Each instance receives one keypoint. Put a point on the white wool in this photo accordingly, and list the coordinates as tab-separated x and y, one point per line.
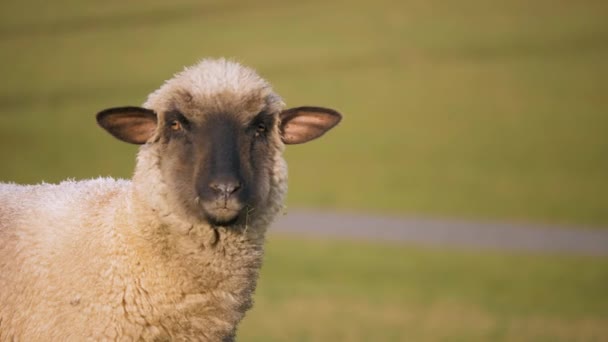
210	76
111	259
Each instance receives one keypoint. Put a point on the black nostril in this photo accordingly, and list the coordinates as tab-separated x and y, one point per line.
225	188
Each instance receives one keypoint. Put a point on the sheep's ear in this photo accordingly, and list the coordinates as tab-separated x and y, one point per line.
134	125
302	124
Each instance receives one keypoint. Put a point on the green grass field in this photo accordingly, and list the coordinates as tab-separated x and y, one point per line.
472	109
493	110
341	291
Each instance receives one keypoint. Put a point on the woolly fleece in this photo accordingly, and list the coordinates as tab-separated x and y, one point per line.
108	259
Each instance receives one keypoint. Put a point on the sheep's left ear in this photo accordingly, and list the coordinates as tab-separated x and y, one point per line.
134	125
303	124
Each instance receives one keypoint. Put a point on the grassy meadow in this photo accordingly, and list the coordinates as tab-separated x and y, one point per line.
347	291
475	109
493	110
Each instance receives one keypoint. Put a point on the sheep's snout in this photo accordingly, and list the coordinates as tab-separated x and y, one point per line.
220	183
222	203
224	208
222	198
225	189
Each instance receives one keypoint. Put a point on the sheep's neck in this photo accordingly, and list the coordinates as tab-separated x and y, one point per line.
203	263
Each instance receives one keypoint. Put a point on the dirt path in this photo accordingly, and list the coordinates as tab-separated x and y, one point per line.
435	232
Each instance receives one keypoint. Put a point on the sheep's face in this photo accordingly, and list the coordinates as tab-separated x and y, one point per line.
217	165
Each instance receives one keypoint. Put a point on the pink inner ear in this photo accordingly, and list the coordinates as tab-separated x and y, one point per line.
307	125
138	129
134	125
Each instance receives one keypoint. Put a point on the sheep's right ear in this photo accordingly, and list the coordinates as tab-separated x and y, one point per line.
134	125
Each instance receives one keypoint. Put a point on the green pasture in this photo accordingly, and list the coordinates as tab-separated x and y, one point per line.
489	110
471	109
344	291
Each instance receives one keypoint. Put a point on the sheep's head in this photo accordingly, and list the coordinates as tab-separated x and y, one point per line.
218	131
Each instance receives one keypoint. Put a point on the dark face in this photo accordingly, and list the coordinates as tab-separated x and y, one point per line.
219	169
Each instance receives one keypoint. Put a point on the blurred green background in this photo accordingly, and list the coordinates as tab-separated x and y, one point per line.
484	110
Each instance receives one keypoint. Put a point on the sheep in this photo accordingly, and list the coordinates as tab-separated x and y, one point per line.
174	253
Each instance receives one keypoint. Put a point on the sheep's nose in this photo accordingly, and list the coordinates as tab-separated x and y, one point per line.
225	188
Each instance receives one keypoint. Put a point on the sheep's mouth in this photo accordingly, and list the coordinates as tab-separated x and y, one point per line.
222	215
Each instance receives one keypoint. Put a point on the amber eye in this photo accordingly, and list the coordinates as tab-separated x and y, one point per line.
176	125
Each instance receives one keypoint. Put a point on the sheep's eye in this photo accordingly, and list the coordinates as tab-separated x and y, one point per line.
260	129
176	126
